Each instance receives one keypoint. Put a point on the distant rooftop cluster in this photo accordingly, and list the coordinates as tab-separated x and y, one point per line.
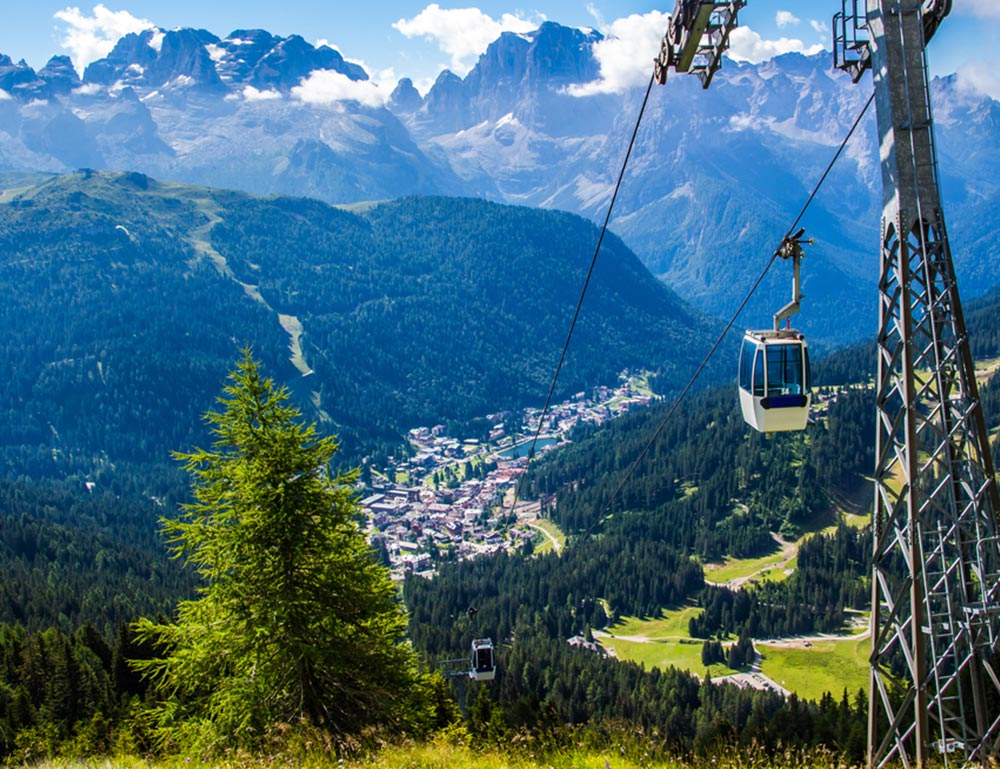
454	502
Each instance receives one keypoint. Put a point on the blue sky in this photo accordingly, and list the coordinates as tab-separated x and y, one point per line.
397	38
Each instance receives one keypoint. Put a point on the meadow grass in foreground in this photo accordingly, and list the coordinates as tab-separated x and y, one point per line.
443	755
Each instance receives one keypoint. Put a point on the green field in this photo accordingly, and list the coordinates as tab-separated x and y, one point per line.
857	521
660	642
670	624
826	666
767	567
681	654
809	672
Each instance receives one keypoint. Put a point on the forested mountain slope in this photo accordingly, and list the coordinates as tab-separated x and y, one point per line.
69	557
636	562
128	298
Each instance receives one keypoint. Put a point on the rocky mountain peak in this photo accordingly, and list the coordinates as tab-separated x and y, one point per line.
524	75
20	81
195	57
291	59
447	103
562	55
405	97
184	57
239	53
127	61
552	55
60	75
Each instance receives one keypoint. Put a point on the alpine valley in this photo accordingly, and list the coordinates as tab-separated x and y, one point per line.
400	272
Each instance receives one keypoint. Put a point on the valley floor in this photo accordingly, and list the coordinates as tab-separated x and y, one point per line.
808	666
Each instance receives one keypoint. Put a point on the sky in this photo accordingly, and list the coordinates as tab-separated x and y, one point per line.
410	38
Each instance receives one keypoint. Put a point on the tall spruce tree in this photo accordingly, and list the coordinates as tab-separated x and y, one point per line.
295	622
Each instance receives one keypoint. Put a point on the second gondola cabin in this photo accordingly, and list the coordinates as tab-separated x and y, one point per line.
775	380
483	661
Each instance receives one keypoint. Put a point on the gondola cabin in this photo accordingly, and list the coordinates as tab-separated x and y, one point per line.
483	660
775	381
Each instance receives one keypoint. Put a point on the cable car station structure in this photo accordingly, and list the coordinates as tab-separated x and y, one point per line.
935	621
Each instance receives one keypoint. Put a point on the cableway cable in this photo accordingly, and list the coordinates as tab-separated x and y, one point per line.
583	293
729	325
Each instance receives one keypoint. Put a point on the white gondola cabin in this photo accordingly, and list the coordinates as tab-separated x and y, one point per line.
775	380
483	660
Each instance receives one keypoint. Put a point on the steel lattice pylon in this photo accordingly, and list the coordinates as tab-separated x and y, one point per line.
936	564
935	622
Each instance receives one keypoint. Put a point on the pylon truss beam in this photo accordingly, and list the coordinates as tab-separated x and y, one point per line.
696	38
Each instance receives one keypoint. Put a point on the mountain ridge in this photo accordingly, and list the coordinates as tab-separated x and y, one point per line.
715	179
130	296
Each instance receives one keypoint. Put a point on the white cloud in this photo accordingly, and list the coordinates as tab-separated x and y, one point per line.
980	77
626	53
255	94
325	87
156	41
423	84
88	89
4	96
786	19
89	38
385	79
594	11
462	33
215	52
747	45
819	26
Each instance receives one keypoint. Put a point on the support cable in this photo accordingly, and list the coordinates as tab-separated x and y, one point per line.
583	293
718	341
729	325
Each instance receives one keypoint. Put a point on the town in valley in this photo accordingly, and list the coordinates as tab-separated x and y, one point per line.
451	499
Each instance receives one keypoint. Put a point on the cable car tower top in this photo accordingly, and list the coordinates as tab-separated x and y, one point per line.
935	622
697	38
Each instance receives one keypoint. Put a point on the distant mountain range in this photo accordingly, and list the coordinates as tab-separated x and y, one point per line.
126	301
716	178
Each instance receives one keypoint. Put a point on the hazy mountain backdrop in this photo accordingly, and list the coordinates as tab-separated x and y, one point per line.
716	179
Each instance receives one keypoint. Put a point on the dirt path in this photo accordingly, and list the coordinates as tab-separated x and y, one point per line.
805	641
200	240
555	542
636	638
788	551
